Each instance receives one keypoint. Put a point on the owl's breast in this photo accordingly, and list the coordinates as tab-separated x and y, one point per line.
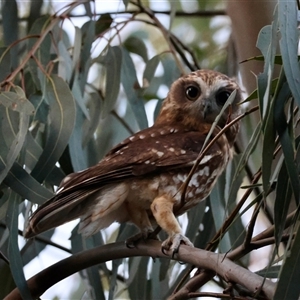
144	190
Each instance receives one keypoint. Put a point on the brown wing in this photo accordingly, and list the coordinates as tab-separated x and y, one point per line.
147	152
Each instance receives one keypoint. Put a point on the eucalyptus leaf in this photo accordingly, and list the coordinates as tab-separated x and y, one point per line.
9	12
103	23
133	90
288	285
113	64
149	71
287	12
5	63
16	102
26	186
135	45
14	252
62	119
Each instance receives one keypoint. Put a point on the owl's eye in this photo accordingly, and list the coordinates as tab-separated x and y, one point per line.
222	97
192	92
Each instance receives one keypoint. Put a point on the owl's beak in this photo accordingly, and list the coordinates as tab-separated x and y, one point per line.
207	108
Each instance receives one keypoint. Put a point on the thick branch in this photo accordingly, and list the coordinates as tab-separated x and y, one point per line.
225	268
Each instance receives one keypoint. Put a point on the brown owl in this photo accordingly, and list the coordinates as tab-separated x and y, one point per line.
138	181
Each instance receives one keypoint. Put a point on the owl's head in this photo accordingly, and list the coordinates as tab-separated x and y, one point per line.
195	100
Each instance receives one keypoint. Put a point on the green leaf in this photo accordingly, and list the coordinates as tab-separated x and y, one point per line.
103	23
150	69
253	140
286	140
16	102
10	23
267	43
65	62
208	230
217	203
5	63
269	272
78	96
138	277
88	36
95	289
195	217
287	11
16	264
26	186
113	278
14	127
16	146
132	90
159	277
77	153
288	285
76	47
171	71
135	45
62	119
95	106
113	63
268	148
43	52
125	2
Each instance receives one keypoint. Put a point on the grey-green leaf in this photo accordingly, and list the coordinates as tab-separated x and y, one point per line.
62	119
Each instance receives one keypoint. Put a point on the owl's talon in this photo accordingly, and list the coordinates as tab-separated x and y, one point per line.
173	242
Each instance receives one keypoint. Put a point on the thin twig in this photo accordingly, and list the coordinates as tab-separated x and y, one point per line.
215	295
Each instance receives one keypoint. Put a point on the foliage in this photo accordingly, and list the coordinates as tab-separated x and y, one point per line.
67	98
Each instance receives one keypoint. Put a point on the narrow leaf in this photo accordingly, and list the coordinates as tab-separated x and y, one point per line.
103	23
135	45
62	118
16	264
132	88
287	11
288	286
150	69
26	186
113	63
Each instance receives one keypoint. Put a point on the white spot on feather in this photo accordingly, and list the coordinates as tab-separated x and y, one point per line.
204	171
182	177
142	136
205	159
199	190
159	153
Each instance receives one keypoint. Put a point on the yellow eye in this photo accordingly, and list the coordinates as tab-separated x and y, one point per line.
192	92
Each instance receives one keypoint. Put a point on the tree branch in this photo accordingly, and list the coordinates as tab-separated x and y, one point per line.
217	263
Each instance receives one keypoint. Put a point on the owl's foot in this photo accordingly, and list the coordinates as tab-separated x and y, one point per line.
150	234
173	242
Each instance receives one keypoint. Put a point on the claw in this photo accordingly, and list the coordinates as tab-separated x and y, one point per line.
173	242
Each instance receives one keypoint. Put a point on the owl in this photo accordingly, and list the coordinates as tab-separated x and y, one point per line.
139	180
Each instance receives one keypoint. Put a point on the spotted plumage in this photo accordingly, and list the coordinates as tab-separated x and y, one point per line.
139	180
